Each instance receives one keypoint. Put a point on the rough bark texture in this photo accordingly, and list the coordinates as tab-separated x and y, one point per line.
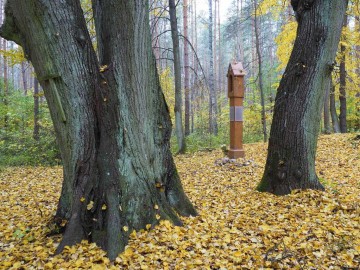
177	74
300	98
342	90
110	118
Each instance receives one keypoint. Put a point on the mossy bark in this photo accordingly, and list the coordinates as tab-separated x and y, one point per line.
293	138
110	116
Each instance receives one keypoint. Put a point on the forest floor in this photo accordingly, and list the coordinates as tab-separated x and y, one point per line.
238	227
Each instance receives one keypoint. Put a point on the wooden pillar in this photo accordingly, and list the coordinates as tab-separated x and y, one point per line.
236	90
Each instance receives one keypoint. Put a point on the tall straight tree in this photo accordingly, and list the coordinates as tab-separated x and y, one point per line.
300	97
36	111
342	90
213	128
186	67
110	116
260	68
179	131
333	113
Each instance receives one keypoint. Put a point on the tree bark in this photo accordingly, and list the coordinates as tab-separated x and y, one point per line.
260	71
334	116
110	118
6	85
24	80
342	90
213	128
177	74
327	129
300	98
36	110
186	68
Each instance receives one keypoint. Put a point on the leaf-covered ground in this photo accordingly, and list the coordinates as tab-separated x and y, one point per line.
238	228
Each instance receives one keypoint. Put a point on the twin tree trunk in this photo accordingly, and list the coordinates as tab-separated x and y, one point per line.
293	138
110	116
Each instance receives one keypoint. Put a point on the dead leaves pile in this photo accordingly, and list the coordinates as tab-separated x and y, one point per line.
238	228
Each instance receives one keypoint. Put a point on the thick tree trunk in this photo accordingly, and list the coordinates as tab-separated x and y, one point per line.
36	110
177	74
293	138
260	71
334	116
111	119
186	68
342	90
213	128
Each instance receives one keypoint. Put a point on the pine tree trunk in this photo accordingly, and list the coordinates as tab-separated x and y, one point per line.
327	129
300	98
24	81
36	110
186	68
260	71
334	117
213	128
110	118
177	74
6	86
342	90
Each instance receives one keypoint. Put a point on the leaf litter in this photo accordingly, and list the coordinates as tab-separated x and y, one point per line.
238	227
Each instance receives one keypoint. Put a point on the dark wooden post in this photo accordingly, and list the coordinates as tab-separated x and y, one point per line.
236	90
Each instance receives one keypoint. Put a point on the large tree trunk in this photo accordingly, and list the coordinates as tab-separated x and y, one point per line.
293	138
342	89
177	74
260	70
111	119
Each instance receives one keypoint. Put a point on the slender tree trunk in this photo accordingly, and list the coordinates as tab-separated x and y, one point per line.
219	50
36	110
342	97
213	128
24	80
177	74
6	85
186	68
334	117
327	129
113	125
260	72
293	138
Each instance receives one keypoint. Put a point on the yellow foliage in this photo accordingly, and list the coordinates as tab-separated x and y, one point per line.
285	41
238	227
275	7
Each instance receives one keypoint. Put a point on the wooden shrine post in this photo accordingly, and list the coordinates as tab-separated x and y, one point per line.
236	90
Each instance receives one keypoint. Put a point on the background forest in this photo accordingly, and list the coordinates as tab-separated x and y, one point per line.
211	35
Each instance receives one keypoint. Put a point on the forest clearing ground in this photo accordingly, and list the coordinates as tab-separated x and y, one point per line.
238	227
